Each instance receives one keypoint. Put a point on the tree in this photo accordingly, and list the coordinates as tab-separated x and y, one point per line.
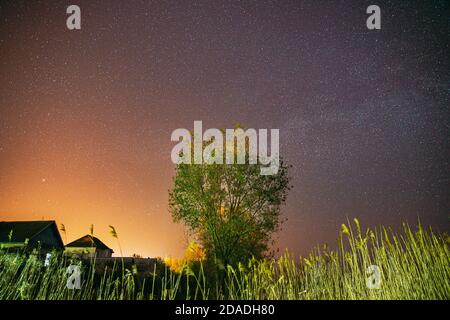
231	209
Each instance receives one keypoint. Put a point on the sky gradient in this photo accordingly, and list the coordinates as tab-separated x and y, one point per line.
86	116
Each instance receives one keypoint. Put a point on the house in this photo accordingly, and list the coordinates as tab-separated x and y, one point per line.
89	246
30	234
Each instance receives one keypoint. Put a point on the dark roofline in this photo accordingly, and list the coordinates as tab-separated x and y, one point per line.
96	243
52	223
49	223
55	226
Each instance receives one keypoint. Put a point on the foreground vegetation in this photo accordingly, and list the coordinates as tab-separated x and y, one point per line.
413	265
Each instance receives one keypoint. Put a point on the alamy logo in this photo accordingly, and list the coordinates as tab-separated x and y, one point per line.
374	20
373	280
48	256
73	22
74	280
211	147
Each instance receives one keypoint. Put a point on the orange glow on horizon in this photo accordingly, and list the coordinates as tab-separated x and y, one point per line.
80	185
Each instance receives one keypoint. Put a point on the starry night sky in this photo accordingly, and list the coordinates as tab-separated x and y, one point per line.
86	116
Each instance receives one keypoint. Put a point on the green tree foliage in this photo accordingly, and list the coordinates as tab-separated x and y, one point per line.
231	209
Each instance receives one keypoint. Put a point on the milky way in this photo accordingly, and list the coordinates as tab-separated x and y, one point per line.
86	116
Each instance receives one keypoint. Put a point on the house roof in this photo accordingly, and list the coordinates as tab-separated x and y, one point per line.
22	230
88	241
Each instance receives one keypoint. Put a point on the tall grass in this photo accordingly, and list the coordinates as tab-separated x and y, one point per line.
413	265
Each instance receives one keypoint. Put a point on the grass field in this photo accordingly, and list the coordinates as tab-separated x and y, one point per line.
412	264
